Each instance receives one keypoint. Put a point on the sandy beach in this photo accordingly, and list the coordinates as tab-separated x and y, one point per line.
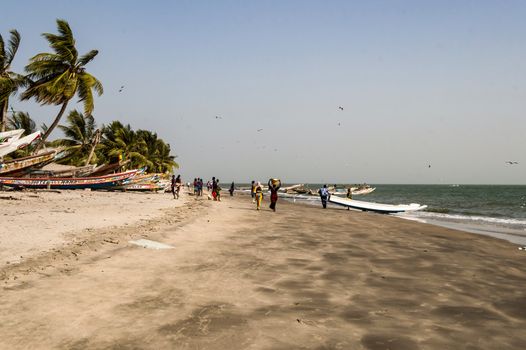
236	278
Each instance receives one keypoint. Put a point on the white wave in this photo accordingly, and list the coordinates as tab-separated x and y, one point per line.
458	217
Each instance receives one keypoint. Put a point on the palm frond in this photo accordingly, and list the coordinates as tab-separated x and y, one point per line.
12	47
88	57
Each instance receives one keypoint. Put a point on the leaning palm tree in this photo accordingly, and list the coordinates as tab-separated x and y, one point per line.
57	77
80	133
10	81
21	120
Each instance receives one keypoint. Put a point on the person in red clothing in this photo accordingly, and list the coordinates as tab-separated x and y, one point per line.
274	185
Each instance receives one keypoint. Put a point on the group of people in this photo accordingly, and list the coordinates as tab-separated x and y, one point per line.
256	191
198	187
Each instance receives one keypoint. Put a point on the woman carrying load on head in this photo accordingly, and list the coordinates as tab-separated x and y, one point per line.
258	190
273	185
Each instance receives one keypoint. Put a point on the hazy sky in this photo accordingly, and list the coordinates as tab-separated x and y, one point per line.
421	82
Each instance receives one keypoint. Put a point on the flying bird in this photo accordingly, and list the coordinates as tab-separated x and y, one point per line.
429	166
339	124
260	130
511	162
340	108
218	117
122	87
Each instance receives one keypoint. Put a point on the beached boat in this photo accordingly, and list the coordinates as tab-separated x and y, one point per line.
356	191
362	191
108	168
376	207
13	143
292	188
69	183
20	165
143	187
60	170
5	136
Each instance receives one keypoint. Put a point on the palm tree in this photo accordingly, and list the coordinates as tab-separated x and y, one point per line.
120	142
165	162
10	82
57	77
157	152
21	120
80	133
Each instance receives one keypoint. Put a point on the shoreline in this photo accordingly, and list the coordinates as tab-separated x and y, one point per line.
515	234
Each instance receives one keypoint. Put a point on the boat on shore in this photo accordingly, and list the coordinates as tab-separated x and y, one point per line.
16	142
376	207
59	170
20	166
69	183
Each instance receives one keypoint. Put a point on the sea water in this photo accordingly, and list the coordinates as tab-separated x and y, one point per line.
494	210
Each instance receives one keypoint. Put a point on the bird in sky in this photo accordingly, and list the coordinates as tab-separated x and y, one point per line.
218	117
340	108
429	166
511	162
122	87
260	130
339	124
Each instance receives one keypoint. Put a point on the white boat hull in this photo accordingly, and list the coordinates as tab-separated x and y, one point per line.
376	207
14	144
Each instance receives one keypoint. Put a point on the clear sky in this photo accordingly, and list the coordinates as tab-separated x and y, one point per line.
440	83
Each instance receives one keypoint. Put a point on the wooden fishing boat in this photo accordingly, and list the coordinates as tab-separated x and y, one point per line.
20	165
142	187
69	183
5	136
60	170
108	168
14	143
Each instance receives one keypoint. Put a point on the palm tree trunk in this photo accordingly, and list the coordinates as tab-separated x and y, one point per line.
96	140
3	110
52	126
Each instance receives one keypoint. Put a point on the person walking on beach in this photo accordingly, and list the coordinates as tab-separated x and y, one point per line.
253	191
258	194
217	190
200	187
173	186
324	196
274	185
232	188
213	188
177	183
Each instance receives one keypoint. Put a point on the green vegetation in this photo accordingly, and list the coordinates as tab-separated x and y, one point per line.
55	78
10	81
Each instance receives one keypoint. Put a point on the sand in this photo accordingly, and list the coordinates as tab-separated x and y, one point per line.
301	278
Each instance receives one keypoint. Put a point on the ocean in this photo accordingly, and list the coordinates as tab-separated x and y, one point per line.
494	210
